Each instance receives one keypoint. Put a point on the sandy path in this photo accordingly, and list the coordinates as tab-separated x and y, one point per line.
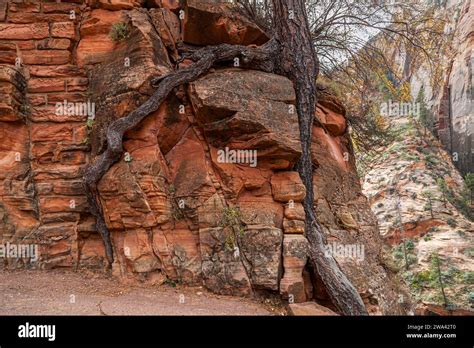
69	293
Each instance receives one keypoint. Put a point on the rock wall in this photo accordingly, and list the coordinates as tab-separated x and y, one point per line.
452	102
419	199
206	192
459	101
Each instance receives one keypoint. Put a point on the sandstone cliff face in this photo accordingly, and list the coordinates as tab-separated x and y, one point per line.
452	102
421	204
206	192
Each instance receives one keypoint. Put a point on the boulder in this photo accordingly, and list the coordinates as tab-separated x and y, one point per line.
249	110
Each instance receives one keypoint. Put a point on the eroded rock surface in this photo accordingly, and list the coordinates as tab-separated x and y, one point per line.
421	203
206	192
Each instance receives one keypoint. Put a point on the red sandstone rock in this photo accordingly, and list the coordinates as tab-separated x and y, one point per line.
287	186
12	91
229	108
56	71
46	85
167	25
211	23
24	31
115	5
222	272
46	57
261	249
165	204
335	123
326	144
138	250
295	250
24	7
63	30
60	7
54	44
3	10
294	211
293	226
260	211
22	17
180	253
169	4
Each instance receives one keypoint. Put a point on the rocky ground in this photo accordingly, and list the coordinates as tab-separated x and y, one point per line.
68	293
420	200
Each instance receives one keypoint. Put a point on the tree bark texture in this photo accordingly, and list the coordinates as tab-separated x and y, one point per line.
298	62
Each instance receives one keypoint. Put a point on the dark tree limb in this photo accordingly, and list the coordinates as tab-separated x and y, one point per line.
255	58
300	64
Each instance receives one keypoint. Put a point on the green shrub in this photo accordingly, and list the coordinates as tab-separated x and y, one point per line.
467	277
232	222
119	31
470	297
412	259
451	222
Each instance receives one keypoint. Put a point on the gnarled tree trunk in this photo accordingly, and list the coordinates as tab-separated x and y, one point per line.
300	64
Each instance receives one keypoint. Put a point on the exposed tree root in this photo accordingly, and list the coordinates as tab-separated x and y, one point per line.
255	58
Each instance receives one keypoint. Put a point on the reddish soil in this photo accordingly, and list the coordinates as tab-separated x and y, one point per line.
29	292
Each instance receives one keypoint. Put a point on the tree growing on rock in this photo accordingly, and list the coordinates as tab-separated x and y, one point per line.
291	53
436	265
429	205
355	41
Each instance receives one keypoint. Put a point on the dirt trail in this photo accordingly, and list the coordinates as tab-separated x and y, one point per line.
68	293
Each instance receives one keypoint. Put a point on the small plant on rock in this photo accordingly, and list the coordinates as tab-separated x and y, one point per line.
469	181
429	205
231	220
436	271
119	31
451	222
